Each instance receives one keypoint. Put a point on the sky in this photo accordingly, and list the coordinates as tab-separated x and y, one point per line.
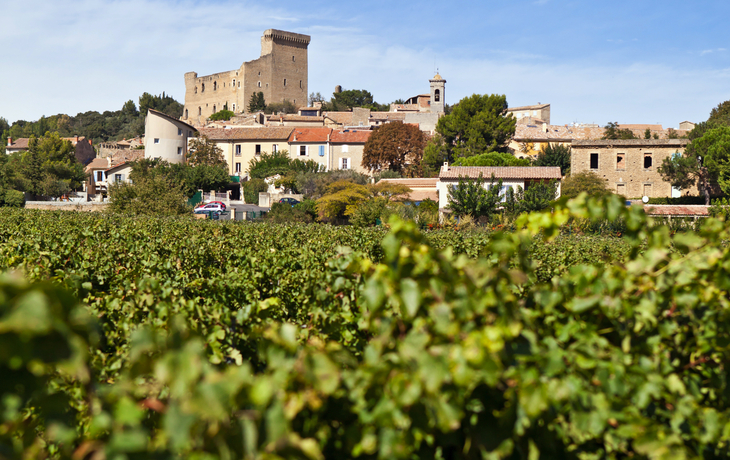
594	62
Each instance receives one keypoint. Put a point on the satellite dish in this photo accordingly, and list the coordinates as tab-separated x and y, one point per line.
645	199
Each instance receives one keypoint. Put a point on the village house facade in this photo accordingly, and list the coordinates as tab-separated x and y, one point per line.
630	167
241	145
166	137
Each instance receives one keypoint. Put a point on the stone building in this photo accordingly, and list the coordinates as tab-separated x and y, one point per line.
629	166
280	73
531	114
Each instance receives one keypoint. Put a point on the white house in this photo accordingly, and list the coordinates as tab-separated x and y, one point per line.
166	137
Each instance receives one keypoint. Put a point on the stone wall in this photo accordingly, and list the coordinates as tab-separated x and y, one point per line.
623	164
66	206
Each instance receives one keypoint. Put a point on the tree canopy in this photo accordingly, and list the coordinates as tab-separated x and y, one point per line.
492	159
477	124
555	155
190	179
613	131
586	181
471	198
257	102
395	146
202	151
224	115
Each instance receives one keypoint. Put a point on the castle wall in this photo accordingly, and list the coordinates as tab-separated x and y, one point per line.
280	73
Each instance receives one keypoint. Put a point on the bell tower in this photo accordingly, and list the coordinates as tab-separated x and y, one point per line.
438	93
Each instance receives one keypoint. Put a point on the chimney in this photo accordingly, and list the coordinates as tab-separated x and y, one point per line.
10	141
77	139
445	167
544	128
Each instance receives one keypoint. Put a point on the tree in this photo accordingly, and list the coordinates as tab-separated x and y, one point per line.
537	197
435	154
190	179
613	131
492	159
470	198
555	155
257	102
224	114
395	146
720	115
340	195
586	181
315	97
151	195
285	106
271	164
477	124
202	151
252	188
49	168
647	133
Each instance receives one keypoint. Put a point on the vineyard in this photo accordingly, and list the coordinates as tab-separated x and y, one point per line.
125	338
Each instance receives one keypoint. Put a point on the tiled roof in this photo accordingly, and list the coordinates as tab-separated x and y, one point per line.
390	116
556	132
275	118
125	156
269	133
420	195
677	210
118	167
350	136
501	172
417	182
341	118
631	143
301	135
97	163
528	107
641	127
21	143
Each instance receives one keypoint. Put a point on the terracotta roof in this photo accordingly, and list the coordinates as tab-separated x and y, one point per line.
295	118
502	172
641	127
125	156
300	135
269	133
528	107
21	143
677	210
97	163
420	195
350	136
416	182
341	118
632	143
390	116
119	166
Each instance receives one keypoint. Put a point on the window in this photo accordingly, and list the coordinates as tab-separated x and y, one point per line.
437	95
300	84
118	177
190	133
215	85
179	131
321	150
186	114
179	150
275	148
345	163
234	107
200	111
202	88
100	176
285	82
594	161
647	161
258	149
238	168
259	83
259	74
238	150
620	161
196	90
503	193
213	109
157	141
302	150
345	148
234	82
621	189
239	84
292	59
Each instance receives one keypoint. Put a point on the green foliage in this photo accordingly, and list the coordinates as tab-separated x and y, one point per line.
537	197
271	164
587	181
264	341
257	102
555	155
435	154
202	151
647	133
155	194
189	179
613	131
314	185
720	208
224	114
341	196
720	115
12	198
47	169
471	198
284	213
350	98
395	146
677	201
477	124
492	159
252	188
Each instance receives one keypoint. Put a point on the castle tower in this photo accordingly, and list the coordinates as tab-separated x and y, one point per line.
438	94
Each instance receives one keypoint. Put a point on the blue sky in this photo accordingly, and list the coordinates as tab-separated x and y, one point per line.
595	62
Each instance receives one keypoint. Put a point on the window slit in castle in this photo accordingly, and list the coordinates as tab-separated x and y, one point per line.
647	161
202	88
285	82
200	111
620	161
215	85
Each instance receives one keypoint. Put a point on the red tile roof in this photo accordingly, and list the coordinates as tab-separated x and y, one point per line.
306	135
501	172
350	136
270	133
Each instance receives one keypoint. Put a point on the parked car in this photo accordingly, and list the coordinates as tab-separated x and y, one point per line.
212	202
289	201
211	207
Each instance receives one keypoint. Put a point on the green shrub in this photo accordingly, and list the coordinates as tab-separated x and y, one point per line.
222	115
252	188
283	213
12	198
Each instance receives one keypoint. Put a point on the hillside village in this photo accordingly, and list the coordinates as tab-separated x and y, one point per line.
222	109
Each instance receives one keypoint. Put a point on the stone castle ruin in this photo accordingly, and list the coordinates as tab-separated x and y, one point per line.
281	73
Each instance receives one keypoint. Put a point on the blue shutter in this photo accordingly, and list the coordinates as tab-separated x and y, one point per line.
321	150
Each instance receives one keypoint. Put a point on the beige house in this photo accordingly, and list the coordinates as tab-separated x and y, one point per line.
531	114
241	145
630	166
346	147
311	144
166	137
511	176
